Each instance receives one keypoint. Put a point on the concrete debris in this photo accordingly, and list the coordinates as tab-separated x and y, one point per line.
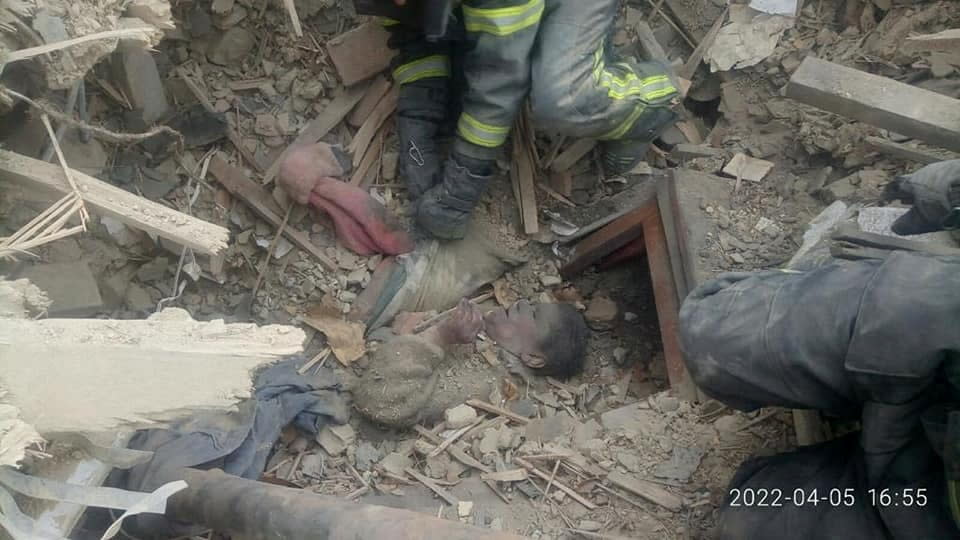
71	288
396	463
137	299
748	168
684	461
459	416
140	81
464	509
330	442
231	47
747	42
366	456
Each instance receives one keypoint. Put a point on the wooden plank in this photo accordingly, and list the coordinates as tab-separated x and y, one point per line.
318	128
370	158
696	57
361	53
515	475
647	490
668	218
369	129
606	240
574	153
902	151
95	375
108	200
878	101
668	304
263	204
377	89
291	8
523	172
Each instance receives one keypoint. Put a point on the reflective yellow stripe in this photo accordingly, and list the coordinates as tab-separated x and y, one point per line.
622	129
437	65
386	21
649	89
503	21
481	134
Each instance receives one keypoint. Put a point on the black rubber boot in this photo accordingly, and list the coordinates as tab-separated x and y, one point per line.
622	155
444	211
421	116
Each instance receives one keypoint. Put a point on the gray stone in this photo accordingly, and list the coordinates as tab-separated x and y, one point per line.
140	79
584	432
136	298
153	270
629	418
589	526
523	407
396	463
366	455
489	443
71	288
630	462
459	416
683	463
231	47
330	442
312	465
551	428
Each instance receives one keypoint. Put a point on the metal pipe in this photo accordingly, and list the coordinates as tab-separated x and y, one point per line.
260	511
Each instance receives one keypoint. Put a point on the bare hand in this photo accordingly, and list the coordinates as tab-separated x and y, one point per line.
463	324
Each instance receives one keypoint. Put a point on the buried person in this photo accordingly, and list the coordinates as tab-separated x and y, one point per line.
403	384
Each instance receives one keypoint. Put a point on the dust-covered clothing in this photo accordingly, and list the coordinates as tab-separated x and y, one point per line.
556	51
874	341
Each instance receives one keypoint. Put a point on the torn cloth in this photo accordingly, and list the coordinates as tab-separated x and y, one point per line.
238	443
312	174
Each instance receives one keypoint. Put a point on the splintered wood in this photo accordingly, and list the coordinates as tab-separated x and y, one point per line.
108	200
523	171
96	375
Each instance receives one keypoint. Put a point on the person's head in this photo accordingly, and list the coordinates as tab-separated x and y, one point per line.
551	339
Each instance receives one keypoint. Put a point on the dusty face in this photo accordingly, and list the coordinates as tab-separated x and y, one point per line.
520	330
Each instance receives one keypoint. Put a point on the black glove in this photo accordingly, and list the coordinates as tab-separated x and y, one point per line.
934	192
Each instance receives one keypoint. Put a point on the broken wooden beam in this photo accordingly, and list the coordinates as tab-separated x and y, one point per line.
574	153
878	101
108	200
264	205
493	409
361	53
95	375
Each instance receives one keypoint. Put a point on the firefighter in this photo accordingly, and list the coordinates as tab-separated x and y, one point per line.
557	52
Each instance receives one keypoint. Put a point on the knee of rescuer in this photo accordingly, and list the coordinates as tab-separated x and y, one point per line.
549	109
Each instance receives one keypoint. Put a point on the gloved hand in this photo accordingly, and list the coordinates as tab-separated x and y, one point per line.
934	192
